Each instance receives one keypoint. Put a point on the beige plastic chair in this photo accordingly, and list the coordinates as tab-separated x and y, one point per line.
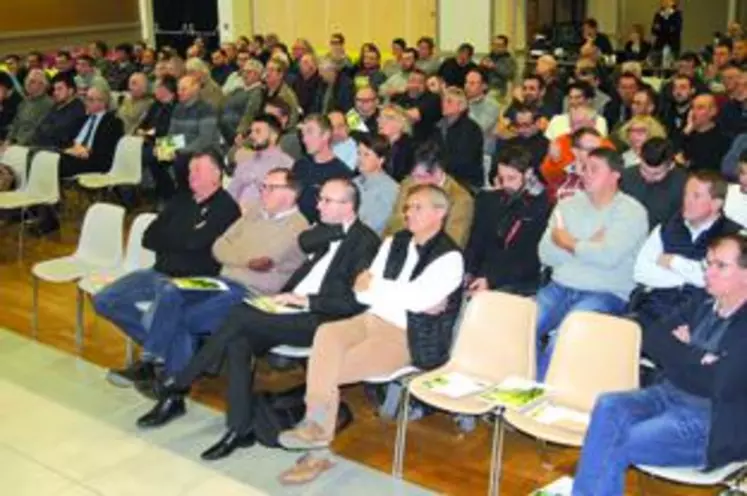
16	157
594	354
126	170
729	475
496	340
41	188
136	257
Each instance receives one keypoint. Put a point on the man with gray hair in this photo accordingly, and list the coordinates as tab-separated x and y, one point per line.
242	104
337	91
461	140
210	92
135	105
31	111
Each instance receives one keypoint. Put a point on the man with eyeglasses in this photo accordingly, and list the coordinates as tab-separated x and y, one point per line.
258	253
340	247
364	116
694	416
251	169
656	182
527	135
668	268
277	88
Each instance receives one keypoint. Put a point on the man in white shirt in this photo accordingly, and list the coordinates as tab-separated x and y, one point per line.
736	197
669	268
320	291
580	96
343	146
416	272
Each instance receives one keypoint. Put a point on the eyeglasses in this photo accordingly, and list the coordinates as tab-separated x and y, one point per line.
718	264
271	187
325	200
365	100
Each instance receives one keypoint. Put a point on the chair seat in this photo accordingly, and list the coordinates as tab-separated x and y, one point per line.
98	181
567	434
383	379
19	199
291	351
694	476
95	282
63	269
468	405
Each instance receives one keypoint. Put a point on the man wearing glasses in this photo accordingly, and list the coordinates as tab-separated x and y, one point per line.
694	416
669	267
339	248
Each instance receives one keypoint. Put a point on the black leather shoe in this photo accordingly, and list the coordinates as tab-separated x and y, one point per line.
231	441
167	409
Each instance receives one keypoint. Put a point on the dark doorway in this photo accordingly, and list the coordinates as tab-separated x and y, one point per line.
179	22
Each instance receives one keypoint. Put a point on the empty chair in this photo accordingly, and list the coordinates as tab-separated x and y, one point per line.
126	167
16	157
99	247
594	354
495	341
41	188
136	258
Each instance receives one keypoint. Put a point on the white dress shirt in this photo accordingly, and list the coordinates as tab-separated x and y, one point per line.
682	270
561	124
92	120
312	283
736	205
392	299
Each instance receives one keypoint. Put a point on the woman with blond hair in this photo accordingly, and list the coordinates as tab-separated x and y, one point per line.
396	128
635	133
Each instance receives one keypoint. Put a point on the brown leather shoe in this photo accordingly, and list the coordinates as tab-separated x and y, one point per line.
306	469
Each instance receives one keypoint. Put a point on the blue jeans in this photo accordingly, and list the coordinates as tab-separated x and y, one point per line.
169	328
660	426
554	302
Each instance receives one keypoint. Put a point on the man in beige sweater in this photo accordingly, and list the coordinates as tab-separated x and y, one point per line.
258	254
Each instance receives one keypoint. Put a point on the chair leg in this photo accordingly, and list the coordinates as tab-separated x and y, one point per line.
129	352
79	319
21	228
34	306
496	456
400	440
544	454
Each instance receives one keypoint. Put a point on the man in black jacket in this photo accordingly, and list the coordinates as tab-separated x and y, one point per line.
59	127
423	108
320	291
695	416
509	222
461	140
182	237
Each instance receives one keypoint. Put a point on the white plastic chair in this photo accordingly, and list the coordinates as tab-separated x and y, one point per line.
16	157
722	476
288	351
42	188
136	258
127	167
99	247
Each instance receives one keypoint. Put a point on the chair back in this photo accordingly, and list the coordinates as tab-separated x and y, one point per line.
128	162
100	242
496	337
136	256
43	179
594	354
16	158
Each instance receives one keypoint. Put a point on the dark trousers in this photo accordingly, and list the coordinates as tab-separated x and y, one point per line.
72	166
245	334
164	184
650	305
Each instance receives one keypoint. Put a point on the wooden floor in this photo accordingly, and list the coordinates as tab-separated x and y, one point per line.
439	457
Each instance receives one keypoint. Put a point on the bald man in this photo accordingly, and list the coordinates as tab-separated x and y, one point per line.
134	107
704	144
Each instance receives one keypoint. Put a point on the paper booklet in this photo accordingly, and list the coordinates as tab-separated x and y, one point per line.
559	487
266	304
171	143
515	393
199	284
547	413
456	385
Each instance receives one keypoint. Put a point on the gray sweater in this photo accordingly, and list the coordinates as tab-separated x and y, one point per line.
30	114
603	266
198	122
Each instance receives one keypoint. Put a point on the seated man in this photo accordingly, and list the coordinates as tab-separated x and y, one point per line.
703	142
695	416
249	173
657	183
590	243
32	110
340	247
509	222
136	103
428	169
580	96
343	145
182	237
58	128
417	271
669	265
736	198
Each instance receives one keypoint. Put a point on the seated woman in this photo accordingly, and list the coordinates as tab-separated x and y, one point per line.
635	133
378	190
695	416
395	127
509	222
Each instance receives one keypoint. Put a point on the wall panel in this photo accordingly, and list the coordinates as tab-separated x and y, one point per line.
43	15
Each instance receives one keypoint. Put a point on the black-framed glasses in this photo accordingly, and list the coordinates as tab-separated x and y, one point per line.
271	187
326	200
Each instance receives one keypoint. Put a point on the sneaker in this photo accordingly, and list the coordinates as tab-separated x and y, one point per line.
137	372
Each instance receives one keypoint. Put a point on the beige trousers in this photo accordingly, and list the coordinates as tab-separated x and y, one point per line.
346	352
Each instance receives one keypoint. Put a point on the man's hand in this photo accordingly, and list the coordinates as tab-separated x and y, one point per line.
680	159
436	309
239	139
709	359
479	284
413	114
665	260
598	236
77	150
682	333
363	281
261	264
291	300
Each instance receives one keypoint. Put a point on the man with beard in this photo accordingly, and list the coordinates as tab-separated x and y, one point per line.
509	221
674	115
397	83
249	173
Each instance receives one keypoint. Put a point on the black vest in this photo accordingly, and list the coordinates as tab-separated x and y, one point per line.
428	336
676	238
